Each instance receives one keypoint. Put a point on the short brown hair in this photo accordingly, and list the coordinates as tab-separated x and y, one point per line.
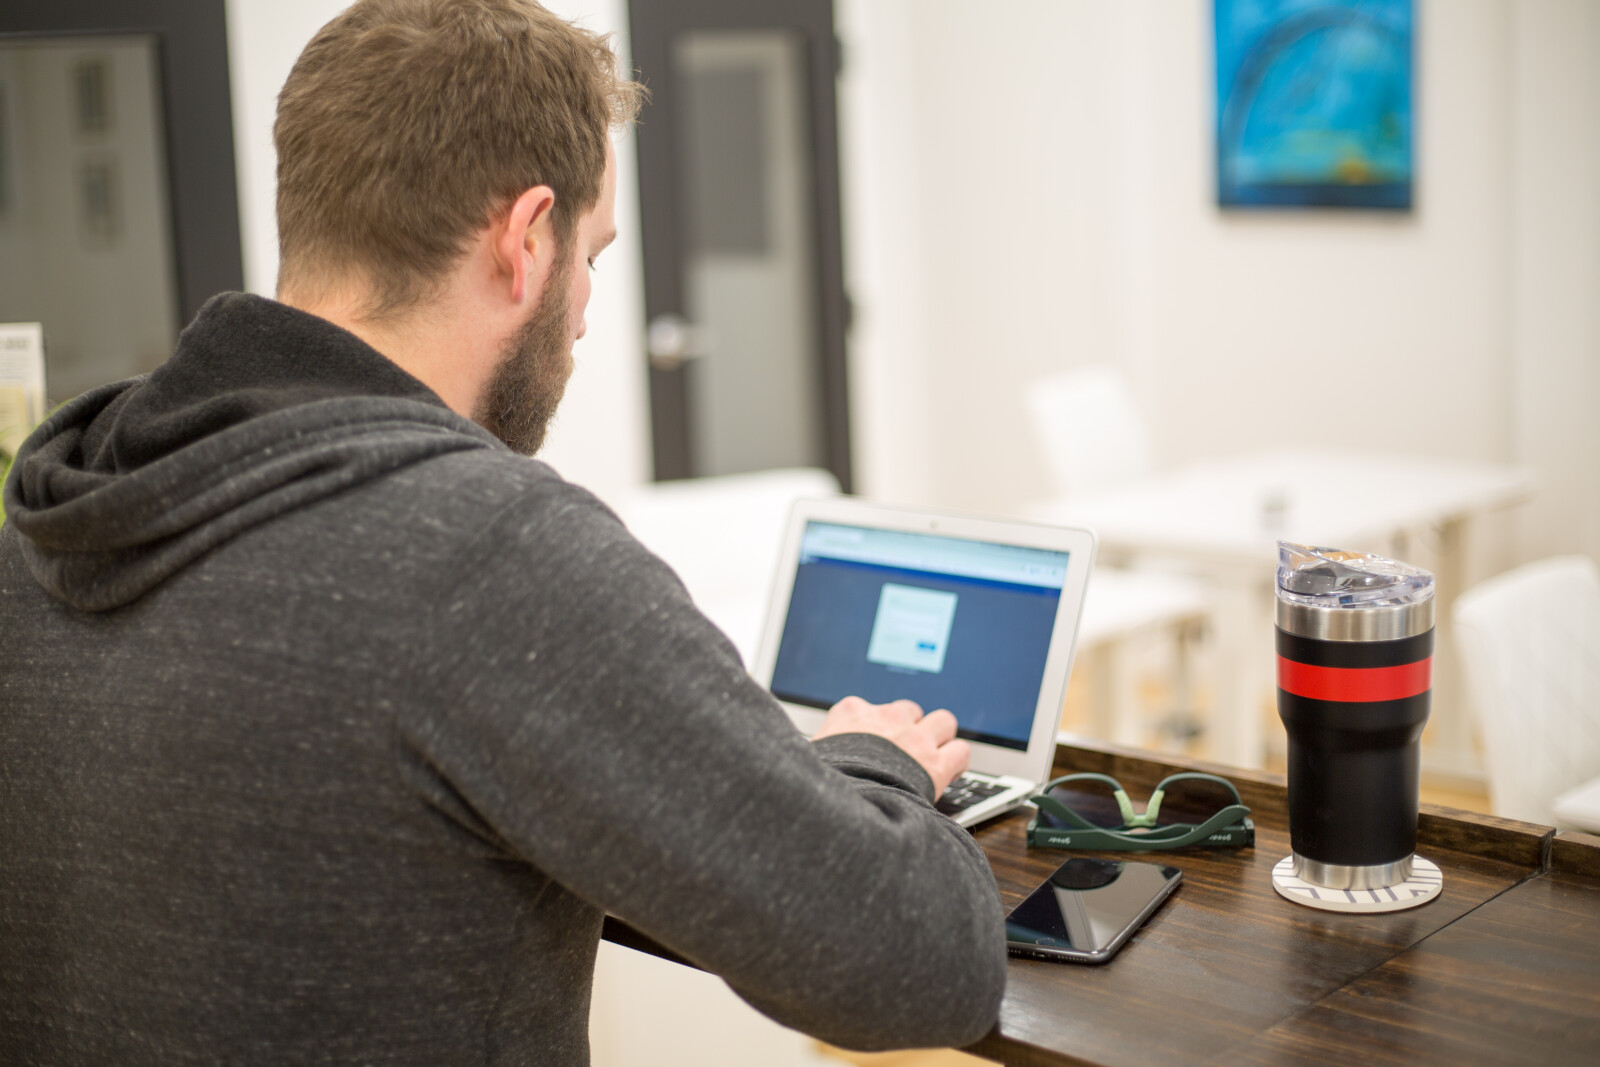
406	125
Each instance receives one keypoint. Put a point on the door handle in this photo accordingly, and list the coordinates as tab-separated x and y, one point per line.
671	340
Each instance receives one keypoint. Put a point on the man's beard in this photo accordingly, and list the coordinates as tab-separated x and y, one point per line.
527	384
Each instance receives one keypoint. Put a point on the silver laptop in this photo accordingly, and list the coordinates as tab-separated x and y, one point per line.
975	615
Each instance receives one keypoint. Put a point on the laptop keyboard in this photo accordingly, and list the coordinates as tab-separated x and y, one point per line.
967	791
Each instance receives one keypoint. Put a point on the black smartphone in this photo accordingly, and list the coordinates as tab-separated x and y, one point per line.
1086	910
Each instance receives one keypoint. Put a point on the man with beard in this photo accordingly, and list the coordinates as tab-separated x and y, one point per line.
331	726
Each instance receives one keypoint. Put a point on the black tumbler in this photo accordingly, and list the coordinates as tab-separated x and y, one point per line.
1355	673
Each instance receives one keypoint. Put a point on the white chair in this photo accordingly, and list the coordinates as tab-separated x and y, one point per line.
1529	645
1126	608
722	536
1089	428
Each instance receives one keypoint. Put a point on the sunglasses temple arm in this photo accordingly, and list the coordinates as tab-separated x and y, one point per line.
1228	816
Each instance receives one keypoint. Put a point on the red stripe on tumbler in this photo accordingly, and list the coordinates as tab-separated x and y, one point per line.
1355	683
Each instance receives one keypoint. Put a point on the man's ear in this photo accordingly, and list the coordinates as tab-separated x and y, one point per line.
525	242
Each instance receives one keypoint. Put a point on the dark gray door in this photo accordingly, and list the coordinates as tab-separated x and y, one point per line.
118	218
739	190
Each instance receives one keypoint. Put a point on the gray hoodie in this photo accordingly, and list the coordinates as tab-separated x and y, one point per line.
330	728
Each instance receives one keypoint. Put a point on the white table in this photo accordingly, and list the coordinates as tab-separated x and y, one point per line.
1222	520
722	535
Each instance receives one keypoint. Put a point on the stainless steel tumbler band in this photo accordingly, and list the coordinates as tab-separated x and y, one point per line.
1334	876
1390	623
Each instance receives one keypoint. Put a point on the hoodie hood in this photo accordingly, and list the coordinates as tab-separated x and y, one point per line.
262	409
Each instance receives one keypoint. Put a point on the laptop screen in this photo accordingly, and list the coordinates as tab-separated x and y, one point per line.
945	621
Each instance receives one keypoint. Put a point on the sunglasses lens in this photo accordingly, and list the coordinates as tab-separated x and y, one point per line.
1192	801
1094	801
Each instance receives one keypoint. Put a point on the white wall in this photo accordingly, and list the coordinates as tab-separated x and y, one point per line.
880	126
1554	387
1033	191
601	438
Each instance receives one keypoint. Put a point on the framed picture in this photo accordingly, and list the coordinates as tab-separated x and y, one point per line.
1314	103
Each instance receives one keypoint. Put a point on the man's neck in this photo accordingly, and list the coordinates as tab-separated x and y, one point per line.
429	342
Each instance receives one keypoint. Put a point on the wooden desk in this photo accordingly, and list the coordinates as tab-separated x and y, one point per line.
1503	967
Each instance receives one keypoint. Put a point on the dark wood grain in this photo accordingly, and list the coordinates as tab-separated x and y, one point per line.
1516	981
1575	853
1523	843
1226	959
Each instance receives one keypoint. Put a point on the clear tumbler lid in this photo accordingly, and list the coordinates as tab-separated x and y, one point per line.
1330	578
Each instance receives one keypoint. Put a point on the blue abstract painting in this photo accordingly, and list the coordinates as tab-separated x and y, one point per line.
1314	103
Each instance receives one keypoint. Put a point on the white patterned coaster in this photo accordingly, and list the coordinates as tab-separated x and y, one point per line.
1423	885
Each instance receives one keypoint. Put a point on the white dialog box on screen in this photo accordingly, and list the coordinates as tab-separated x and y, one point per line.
912	628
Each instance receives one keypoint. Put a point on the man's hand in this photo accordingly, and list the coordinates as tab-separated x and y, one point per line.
929	739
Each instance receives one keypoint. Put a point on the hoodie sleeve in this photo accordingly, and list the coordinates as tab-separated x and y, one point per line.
610	735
